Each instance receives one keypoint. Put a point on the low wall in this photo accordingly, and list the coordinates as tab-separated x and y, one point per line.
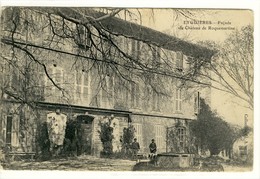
171	160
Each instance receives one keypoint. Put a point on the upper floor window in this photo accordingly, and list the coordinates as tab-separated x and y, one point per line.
196	103
178	100
135	48
179	61
155	101
107	91
83	38
56	75
126	44
82	83
135	95
156	59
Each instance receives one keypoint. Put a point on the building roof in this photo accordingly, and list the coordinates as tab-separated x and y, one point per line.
155	37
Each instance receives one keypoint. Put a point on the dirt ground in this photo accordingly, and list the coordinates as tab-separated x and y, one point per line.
91	163
82	163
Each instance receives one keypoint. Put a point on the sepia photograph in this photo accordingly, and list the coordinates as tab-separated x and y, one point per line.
126	89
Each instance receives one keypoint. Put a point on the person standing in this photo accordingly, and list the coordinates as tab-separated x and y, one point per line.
153	147
135	147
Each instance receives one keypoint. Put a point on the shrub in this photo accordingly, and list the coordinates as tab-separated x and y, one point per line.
126	140
106	137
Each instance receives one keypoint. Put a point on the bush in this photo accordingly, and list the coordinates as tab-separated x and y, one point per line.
106	137
126	141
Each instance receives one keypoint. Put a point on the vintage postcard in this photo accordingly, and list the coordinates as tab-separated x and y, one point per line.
126	89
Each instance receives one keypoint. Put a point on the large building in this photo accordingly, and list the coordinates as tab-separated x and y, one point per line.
155	100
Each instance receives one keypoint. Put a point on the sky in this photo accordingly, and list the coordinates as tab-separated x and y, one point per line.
163	20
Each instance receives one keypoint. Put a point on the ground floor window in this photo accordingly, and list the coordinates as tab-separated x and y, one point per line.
159	131
138	133
11	131
181	133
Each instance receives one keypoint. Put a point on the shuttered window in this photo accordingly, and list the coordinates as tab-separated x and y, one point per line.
178	100
56	74
135	95
179	61
135	48
107	92
159	132
155	101
82	85
196	103
138	133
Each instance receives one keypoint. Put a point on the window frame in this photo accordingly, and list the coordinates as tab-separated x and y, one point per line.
48	84
155	101
135	48
178	99
80	94
197	103
138	133
159	131
109	93
135	95
179	60
181	134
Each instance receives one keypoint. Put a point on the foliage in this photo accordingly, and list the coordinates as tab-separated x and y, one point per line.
106	137
174	141
127	139
245	131
211	131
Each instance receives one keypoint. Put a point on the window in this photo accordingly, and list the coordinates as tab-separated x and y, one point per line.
155	101
3	128
197	103
242	150
107	91
11	129
40	80
8	134
156	57
138	133
83	39
179	61
135	48
56	74
126	45
82	85
15	132
181	134
159	131
135	95
178	100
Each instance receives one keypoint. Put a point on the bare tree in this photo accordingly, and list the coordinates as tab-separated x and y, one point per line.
88	35
232	69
